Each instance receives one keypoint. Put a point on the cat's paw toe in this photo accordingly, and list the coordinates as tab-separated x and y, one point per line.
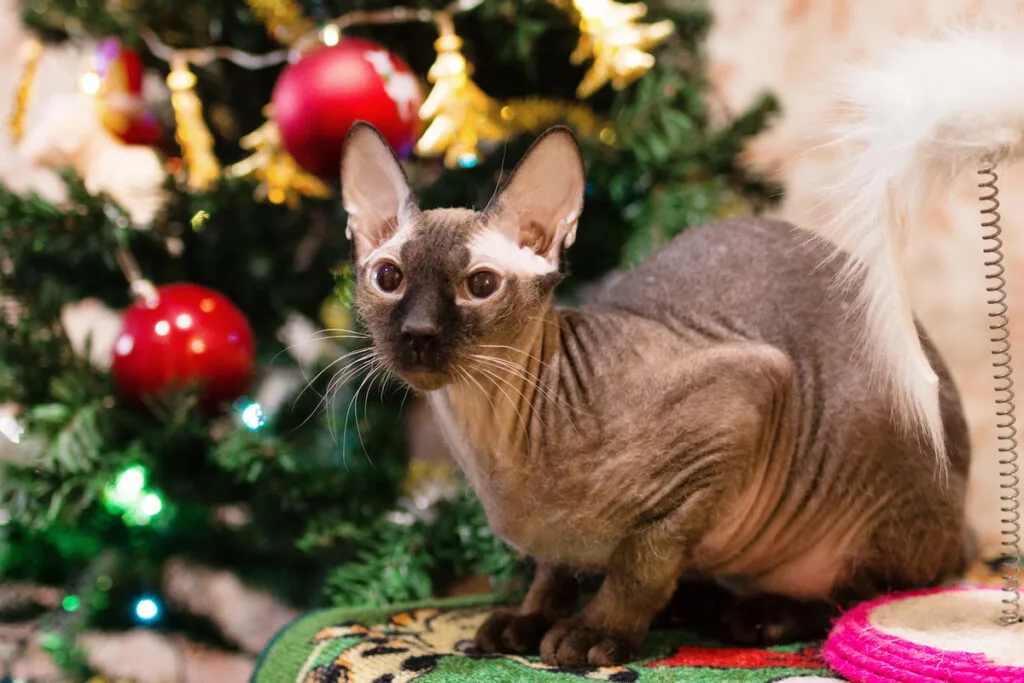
508	631
524	633
572	643
489	635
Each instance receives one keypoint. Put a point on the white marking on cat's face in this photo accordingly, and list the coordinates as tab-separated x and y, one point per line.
493	248
390	249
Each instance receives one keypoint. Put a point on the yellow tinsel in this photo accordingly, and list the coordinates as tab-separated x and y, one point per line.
534	114
281	180
32	51
192	135
284	19
619	46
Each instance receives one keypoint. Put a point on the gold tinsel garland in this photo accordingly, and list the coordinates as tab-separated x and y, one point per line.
31	53
191	132
533	114
284	19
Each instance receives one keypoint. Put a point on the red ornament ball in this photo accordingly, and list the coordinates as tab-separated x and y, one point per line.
188	334
119	103
318	98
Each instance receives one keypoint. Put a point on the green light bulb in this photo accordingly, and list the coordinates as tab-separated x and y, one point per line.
71	603
151	505
130	482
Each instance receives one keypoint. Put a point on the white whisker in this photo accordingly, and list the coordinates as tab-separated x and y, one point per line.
493	376
363	354
322	335
465	373
501	174
546	321
518	351
530	379
334	387
331	387
309	383
519	372
374	369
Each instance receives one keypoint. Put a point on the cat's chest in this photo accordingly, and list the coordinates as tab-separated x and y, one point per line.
547	515
544	521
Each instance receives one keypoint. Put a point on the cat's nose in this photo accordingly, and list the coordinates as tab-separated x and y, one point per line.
419	334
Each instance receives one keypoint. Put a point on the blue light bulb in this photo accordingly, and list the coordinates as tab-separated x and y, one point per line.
147	609
253	416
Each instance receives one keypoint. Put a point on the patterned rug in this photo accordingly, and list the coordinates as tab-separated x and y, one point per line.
433	644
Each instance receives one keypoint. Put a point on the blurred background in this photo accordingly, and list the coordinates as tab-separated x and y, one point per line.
153	529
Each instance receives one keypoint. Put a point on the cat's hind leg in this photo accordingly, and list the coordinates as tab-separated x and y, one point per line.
767	619
712	610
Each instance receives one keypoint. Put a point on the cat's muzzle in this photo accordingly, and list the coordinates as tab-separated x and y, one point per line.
423	361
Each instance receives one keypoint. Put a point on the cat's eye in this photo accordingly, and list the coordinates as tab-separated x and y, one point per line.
482	284
388	277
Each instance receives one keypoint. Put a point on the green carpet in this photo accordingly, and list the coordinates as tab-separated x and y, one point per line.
432	643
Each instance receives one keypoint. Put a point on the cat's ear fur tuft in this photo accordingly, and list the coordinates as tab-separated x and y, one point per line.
375	190
541	203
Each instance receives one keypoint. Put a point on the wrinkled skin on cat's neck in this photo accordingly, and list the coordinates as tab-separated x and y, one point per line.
706	416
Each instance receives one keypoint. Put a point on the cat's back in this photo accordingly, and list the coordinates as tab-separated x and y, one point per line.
741	279
767	280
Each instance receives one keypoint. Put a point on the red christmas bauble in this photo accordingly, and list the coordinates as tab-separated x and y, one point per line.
188	334
318	98
119	103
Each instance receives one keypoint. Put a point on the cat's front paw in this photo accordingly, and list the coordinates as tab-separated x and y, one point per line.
574	643
506	630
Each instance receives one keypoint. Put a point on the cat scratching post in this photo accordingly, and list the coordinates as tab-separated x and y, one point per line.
945	634
964	634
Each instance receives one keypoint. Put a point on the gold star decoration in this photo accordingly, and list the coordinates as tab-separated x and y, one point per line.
281	179
619	46
461	115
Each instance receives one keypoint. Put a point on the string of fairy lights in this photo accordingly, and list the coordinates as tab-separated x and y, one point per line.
459	117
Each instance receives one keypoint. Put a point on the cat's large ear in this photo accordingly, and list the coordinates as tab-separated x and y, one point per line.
375	190
540	205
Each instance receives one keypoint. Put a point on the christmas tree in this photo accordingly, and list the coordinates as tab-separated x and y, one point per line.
152	430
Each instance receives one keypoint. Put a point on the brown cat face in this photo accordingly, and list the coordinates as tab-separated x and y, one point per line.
436	288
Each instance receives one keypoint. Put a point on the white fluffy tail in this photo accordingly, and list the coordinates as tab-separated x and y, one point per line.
927	111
